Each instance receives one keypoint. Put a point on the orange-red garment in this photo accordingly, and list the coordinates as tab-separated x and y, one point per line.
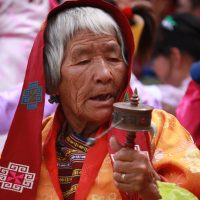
175	155
176	158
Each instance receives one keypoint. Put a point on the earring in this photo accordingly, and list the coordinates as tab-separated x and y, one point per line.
53	99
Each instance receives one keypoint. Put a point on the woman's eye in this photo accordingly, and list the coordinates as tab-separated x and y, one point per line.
113	59
83	62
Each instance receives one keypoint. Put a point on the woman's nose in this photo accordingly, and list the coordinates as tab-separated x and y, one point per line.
102	73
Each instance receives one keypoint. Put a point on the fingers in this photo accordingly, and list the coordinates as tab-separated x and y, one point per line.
129	154
123	177
126	182
129	167
130	188
132	169
119	177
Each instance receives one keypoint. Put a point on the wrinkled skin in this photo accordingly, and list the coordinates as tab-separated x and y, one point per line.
140	176
93	74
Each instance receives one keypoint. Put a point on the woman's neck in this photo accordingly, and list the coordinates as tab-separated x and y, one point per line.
83	127
86	131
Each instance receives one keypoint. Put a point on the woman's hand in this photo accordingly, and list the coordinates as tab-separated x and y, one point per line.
133	172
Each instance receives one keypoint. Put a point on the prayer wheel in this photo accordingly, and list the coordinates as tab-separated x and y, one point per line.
130	116
134	117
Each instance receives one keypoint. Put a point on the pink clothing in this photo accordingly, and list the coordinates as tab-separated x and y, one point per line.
188	111
144	92
156	95
20	21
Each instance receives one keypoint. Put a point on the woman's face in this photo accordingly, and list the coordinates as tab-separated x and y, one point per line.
162	68
183	6
93	74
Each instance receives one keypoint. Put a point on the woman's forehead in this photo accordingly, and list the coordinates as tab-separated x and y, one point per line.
86	42
87	35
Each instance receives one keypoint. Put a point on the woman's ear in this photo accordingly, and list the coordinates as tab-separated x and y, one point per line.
175	58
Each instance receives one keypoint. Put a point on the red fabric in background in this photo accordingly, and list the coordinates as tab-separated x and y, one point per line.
188	111
53	3
128	12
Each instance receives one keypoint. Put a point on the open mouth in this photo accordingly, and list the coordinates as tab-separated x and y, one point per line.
102	97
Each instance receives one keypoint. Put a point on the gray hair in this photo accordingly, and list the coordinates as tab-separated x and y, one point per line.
60	31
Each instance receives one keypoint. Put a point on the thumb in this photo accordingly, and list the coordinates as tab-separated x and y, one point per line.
114	145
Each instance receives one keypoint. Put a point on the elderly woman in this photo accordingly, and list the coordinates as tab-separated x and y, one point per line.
82	57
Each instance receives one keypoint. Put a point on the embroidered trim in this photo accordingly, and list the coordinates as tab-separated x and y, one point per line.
76	143
32	96
16	177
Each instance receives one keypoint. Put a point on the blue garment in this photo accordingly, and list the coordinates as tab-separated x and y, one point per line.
195	71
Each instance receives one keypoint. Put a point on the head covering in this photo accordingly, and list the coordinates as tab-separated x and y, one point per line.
180	30
21	157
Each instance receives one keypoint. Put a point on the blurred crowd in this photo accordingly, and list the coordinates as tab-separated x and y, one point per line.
166	68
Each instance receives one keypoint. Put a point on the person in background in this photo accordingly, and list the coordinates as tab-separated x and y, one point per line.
187	111
177	46
162	8
188	6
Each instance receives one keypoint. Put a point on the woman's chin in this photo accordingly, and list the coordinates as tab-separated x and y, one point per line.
102	117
